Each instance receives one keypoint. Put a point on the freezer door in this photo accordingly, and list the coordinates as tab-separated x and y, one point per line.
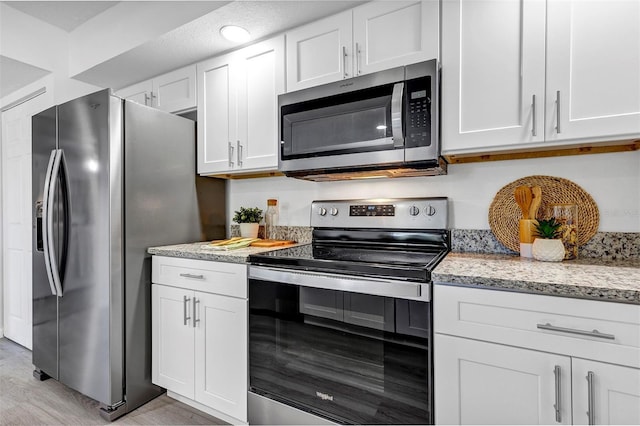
45	302
91	307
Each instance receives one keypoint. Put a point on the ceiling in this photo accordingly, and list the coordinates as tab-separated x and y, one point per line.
189	43
66	15
15	74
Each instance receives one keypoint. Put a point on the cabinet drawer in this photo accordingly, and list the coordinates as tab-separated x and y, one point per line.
554	324
229	279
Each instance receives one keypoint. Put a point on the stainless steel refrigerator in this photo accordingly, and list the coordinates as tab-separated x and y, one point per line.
110	179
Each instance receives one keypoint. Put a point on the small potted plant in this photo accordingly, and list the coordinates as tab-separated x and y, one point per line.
547	246
249	219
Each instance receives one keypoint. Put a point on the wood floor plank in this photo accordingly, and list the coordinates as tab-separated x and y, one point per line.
27	401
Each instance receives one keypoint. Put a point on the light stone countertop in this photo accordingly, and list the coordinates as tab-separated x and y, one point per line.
615	281
201	251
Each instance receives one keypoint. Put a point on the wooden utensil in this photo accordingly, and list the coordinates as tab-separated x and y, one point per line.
271	243
523	198
536	192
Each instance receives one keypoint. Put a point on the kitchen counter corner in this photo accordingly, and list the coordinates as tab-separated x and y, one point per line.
613	281
201	250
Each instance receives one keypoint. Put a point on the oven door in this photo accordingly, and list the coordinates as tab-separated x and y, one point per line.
347	356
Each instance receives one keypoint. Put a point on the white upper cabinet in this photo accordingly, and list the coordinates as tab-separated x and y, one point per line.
139	93
171	92
501	87
237	109
320	52
593	68
388	34
372	37
492	71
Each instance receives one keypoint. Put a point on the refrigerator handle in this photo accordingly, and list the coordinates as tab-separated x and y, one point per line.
51	246
66	204
47	214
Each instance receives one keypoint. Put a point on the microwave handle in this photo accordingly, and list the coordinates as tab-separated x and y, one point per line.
396	115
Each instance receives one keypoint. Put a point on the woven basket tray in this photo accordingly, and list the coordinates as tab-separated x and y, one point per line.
504	213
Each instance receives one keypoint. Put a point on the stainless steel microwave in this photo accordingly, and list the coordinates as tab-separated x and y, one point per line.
381	124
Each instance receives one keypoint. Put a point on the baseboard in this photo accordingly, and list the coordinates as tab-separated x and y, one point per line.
204	408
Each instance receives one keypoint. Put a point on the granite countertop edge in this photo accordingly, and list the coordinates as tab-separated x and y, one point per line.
612	281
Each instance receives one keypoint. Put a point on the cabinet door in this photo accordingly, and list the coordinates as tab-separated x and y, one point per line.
221	353
139	93
320	52
493	64
391	34
614	393
216	115
172	339
175	91
593	68
486	383
260	81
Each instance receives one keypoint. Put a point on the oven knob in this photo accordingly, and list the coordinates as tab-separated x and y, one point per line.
414	211
430	210
334	211
322	211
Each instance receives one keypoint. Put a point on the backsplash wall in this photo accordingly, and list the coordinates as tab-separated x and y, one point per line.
613	180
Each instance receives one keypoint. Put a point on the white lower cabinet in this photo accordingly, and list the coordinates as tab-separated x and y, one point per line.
513	358
199	338
605	394
485	383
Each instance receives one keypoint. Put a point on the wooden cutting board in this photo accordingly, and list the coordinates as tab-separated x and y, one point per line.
271	243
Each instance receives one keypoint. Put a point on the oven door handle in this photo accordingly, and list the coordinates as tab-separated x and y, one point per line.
373	286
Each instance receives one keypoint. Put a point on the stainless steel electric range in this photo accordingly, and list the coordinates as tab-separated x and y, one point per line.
340	329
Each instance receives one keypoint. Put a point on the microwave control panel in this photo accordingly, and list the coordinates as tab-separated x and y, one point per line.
418	112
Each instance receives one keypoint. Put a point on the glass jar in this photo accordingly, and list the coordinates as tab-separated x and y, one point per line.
567	216
271	219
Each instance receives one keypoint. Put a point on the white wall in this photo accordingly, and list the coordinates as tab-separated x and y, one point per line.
613	180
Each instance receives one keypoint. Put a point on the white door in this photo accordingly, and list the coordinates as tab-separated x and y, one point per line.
493	65
391	34
615	393
593	68
175	91
16	219
172	339
221	353
320	52
260	81
217	115
486	383
139	93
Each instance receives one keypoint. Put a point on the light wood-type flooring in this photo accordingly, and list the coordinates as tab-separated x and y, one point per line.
27	401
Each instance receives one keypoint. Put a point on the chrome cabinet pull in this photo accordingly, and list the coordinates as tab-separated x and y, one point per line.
239	154
594	333
358	59
344	61
195	311
591	415
185	302
230	154
533	112
152	98
197	277
558	111
556	374
147	99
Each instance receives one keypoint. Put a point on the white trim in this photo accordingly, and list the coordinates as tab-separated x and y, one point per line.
24	99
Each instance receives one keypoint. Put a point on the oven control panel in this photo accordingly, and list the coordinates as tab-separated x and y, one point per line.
396	213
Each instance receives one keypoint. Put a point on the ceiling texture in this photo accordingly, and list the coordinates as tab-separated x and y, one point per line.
188	43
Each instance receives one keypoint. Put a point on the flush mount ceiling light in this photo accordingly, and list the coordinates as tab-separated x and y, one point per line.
235	33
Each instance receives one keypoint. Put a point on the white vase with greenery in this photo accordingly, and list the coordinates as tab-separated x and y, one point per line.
547	246
249	220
